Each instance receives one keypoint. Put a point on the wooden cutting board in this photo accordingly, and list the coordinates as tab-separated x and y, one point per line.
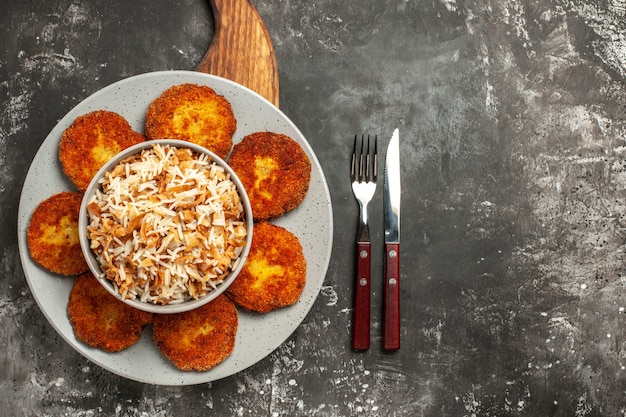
242	49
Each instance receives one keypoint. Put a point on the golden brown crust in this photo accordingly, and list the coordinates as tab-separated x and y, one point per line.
101	320
90	141
274	170
52	234
274	274
199	339
195	113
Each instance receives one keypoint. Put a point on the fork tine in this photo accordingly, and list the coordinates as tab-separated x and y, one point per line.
368	164
353	161
375	177
362	161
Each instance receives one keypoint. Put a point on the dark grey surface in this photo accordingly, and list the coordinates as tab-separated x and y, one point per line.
512	120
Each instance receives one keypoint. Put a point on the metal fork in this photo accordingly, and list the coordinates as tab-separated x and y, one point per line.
363	174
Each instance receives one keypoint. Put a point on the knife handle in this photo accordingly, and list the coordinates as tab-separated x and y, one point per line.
361	318
391	290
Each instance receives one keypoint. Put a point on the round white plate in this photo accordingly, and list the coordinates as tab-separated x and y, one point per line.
258	334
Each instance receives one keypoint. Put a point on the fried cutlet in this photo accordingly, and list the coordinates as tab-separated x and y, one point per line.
101	320
52	234
274	170
90	141
274	274
195	113
199	339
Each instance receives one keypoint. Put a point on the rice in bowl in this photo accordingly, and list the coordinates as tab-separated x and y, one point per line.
166	223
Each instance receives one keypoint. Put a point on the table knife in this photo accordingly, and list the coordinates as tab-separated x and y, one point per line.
391	285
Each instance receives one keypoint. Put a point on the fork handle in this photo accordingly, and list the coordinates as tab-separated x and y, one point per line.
391	294
361	318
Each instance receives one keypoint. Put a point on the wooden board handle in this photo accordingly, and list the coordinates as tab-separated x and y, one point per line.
242	49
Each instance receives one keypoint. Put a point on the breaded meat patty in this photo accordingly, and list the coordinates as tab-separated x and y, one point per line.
195	113
199	339
90	141
274	170
52	234
101	320
274	274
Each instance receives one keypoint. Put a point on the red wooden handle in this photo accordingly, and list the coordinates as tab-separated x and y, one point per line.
361	318
391	309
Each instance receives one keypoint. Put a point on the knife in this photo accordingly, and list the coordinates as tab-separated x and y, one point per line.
391	285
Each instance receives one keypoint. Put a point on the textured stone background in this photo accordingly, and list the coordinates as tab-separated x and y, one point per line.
512	116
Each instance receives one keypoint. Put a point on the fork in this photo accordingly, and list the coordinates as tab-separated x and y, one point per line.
363	174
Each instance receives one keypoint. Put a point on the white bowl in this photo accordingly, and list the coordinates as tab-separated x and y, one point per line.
93	263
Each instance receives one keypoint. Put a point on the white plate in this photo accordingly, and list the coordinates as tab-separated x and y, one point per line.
258	334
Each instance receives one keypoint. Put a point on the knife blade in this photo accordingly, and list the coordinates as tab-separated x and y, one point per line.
391	285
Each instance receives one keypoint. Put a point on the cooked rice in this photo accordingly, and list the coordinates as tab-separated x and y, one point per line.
167	225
